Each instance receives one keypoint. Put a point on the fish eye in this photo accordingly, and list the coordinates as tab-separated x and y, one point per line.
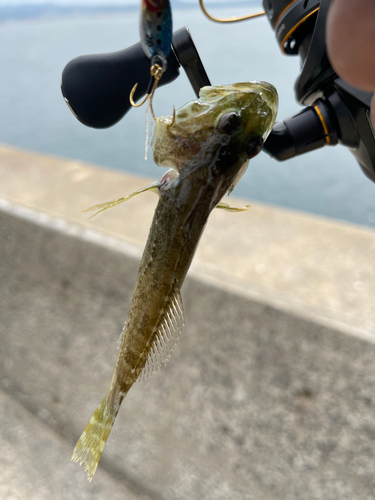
229	123
254	147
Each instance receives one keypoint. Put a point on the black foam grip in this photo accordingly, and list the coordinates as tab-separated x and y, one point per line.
97	87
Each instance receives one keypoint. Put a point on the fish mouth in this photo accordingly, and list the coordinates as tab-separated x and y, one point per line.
270	95
267	91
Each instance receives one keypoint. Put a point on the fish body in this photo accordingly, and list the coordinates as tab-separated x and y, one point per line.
208	146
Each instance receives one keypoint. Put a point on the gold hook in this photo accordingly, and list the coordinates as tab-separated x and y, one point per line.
131	97
228	20
173	118
156	72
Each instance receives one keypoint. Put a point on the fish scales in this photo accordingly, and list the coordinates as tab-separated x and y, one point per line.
174	245
208	145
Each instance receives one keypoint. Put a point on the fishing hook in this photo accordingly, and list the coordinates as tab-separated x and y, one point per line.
156	73
228	20
173	118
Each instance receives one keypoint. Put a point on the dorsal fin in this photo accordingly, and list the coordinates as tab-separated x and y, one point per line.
166	336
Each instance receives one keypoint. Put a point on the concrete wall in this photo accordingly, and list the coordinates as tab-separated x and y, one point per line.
270	392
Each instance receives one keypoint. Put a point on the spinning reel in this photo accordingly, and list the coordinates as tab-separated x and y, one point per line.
97	87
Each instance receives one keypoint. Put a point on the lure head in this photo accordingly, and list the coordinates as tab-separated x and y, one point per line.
229	121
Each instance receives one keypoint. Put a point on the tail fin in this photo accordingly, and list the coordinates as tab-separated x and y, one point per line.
90	445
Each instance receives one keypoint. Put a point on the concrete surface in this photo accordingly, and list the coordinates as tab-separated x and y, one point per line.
315	267
35	461
259	401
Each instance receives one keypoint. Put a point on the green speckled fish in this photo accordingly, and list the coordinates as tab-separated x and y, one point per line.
207	147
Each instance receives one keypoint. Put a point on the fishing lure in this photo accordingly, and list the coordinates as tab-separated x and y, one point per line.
156	39
156	28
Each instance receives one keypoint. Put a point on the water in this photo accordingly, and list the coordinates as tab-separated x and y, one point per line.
34	116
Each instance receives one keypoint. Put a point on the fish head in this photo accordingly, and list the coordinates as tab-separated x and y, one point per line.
229	121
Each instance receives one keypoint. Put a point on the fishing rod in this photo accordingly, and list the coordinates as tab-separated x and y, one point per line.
97	87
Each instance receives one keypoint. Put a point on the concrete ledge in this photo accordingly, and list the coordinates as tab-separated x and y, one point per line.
258	402
311	266
35	461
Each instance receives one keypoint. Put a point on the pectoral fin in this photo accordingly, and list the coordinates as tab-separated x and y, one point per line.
105	206
228	208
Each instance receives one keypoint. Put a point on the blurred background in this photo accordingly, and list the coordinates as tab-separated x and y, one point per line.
37	39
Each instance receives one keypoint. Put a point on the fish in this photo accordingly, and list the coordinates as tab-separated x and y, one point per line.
206	148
